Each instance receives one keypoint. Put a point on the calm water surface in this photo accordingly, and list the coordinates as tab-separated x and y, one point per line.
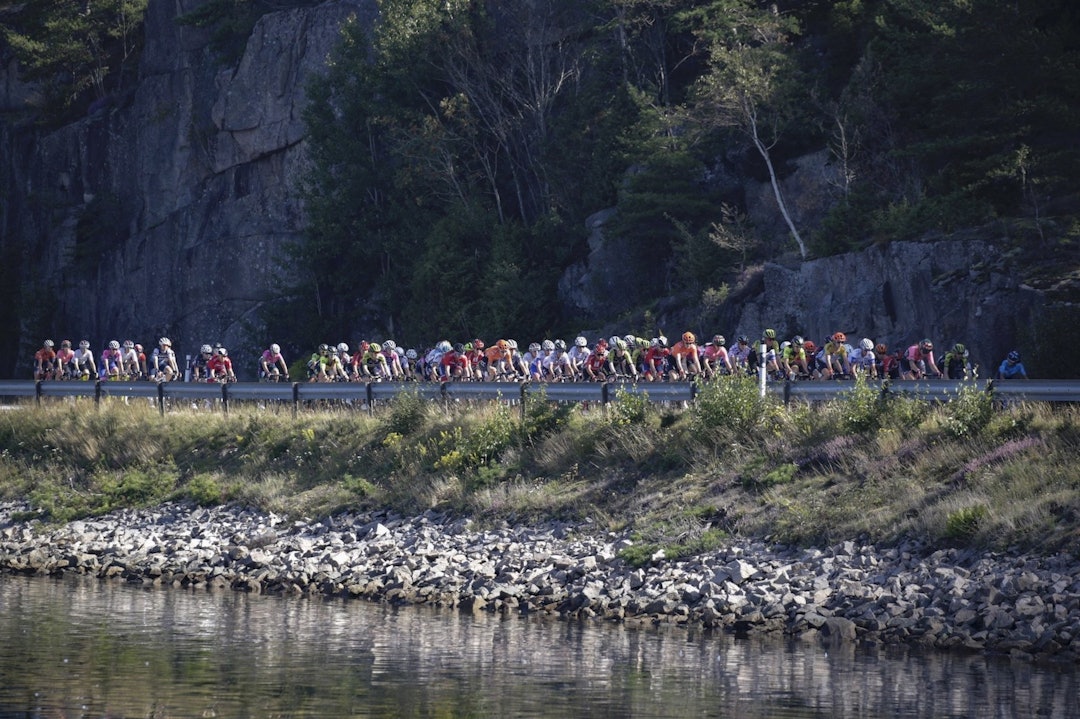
83	648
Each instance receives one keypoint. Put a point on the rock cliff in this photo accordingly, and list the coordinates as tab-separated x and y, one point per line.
165	211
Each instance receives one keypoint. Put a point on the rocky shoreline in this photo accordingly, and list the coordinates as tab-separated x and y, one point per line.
1026	606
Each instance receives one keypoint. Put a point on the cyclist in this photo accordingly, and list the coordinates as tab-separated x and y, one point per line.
596	363
393	355
740	355
955	364
316	364
863	359
579	354
918	361
685	357
499	360
454	365
164	361
198	363
220	366
620	362
1011	367
888	366
656	360
83	361
111	360
814	363
834	354
64	359
45	361
129	361
714	357
793	359
272	366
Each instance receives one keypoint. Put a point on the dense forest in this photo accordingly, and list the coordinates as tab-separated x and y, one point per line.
458	147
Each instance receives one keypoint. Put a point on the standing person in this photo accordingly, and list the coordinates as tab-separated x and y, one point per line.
1011	367
84	365
163	360
45	361
272	367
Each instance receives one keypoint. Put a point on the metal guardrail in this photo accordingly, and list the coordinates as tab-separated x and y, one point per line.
367	395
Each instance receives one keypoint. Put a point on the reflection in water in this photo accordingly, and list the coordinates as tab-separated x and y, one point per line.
81	648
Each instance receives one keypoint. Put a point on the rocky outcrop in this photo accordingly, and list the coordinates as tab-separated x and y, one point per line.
165	211
1023	605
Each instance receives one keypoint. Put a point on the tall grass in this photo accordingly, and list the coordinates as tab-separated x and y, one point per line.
960	472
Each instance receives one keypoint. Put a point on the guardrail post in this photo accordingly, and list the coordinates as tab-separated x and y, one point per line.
522	391
884	389
295	399
37	392
787	392
161	398
225	396
605	396
370	395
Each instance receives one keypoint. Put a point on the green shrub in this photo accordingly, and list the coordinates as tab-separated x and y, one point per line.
629	408
965	522
969	412
204	490
735	403
863	407
544	418
408	413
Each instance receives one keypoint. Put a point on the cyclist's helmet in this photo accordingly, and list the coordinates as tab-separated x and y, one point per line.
84	344
65	343
631	340
165	341
601	343
478	344
809	346
580	341
324	348
207	349
560	345
548	345
512	344
839	337
342	347
138	347
959	349
275	349
399	350
798	341
689	338
784	345
743	340
48	343
502	344
459	348
444	346
719	341
222	351
620	343
881	348
613	340
926	345
867	343
662	340
468	346
390	345
1014	357
375	348
128	344
114	345
769	334
410	354
534	347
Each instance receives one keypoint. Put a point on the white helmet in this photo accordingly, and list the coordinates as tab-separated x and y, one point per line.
399	351
410	353
165	341
444	346
114	345
128	344
630	340
342	347
84	344
48	343
662	340
275	349
512	344
534	347
206	349
580	341
222	351
867	343
389	345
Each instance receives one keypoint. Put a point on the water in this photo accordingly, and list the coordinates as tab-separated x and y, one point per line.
83	648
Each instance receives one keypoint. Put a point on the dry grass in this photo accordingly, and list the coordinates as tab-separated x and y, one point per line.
960	474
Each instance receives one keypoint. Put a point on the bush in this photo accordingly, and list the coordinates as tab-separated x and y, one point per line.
629	408
408	413
965	522
969	412
735	403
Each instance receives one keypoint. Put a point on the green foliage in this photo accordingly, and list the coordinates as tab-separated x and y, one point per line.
74	48
969	412
964	523
735	403
864	407
629	408
544	418
204	489
407	415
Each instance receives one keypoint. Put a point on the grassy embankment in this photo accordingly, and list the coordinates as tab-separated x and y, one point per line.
735	464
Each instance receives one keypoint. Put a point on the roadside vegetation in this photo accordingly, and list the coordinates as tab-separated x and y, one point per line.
679	480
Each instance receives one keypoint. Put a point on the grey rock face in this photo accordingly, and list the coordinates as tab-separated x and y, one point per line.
197	169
